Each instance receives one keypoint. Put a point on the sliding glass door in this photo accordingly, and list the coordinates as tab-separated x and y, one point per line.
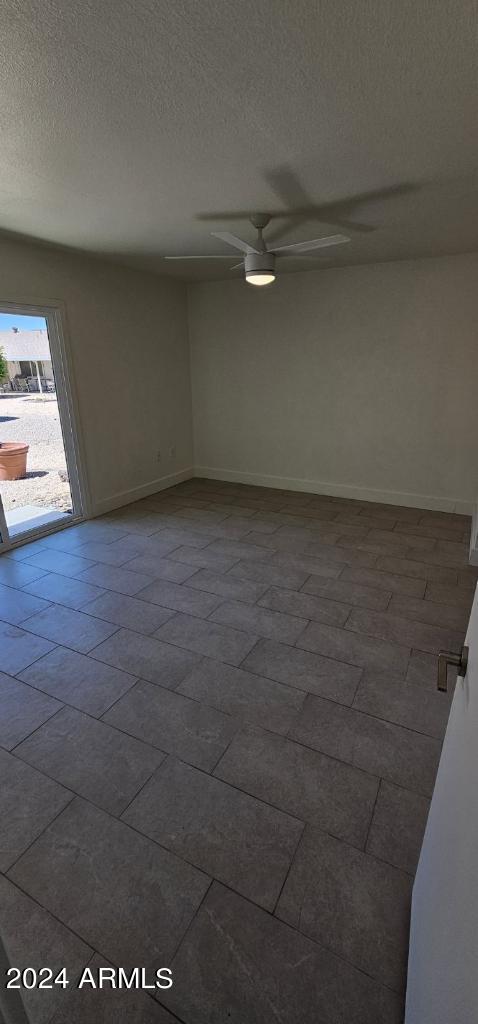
41	483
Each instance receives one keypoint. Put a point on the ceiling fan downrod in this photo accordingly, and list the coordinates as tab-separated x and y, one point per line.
260	221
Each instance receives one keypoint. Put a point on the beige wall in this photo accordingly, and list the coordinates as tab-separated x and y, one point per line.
129	346
359	381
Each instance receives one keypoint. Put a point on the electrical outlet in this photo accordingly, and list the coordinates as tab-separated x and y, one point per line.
172	451
158	455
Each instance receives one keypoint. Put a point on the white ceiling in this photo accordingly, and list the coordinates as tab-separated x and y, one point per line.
123	120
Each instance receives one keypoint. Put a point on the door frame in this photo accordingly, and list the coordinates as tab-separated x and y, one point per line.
4	542
54	313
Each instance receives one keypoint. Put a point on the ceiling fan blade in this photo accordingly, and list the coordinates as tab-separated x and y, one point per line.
231	257
314	243
238	243
318	257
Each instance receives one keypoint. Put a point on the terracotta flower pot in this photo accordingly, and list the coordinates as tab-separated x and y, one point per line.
13	460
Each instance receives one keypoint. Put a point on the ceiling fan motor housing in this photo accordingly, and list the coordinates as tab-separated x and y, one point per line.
261	262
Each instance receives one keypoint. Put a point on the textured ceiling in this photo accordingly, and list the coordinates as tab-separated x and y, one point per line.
122	121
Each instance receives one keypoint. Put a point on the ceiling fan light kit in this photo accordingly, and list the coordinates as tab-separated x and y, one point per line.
259	262
260	268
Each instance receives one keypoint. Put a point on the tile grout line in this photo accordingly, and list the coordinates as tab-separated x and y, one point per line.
289	869
12	750
372	815
158	769
32	843
372	636
178	947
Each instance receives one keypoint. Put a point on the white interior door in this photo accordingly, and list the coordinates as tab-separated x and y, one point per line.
443	961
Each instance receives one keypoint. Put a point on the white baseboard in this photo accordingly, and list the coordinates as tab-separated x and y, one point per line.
410	500
100	508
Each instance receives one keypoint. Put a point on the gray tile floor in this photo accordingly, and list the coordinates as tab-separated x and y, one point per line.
219	734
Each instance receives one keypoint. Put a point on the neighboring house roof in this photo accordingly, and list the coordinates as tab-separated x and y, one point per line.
18	345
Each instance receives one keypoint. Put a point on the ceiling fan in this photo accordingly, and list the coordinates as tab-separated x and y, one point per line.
259	261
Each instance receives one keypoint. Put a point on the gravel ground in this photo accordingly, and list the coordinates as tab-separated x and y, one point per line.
36	421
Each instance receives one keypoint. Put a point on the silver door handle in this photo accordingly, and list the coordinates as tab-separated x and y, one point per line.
446	658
